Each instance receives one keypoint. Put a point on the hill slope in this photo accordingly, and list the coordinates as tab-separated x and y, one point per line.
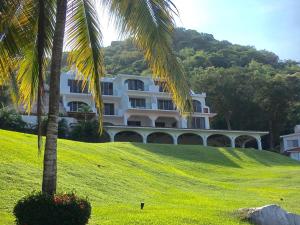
179	184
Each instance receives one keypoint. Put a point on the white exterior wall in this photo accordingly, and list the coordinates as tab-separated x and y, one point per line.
290	138
122	107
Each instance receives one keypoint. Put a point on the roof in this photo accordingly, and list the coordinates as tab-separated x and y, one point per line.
294	150
291	135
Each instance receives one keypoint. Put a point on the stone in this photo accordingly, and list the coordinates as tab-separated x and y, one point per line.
293	219
269	215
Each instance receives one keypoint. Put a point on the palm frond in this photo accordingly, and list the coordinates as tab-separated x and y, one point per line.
151	23
85	39
33	63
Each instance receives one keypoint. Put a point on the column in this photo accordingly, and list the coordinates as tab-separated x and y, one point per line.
175	137
258	139
183	122
204	137
232	139
125	119
112	136
207	126
153	118
144	138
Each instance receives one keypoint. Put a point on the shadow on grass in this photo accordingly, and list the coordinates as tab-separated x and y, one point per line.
268	158
190	153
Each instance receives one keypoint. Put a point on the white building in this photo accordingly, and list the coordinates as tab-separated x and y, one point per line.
290	143
136	108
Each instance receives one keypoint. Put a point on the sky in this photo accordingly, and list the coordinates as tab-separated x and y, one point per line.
273	25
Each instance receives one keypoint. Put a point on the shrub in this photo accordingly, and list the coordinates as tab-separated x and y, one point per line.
60	209
88	131
62	127
10	120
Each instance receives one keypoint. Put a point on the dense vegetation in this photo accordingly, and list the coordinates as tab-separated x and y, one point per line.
249	89
179	185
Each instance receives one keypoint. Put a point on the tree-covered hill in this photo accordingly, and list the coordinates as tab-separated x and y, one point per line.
195	50
248	88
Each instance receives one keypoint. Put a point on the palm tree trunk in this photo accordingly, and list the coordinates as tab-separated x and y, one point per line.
50	156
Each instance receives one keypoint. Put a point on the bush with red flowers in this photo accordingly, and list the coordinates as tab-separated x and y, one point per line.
60	209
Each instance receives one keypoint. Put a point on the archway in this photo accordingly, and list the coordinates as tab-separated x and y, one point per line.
246	141
197	106
160	138
218	140
128	136
190	139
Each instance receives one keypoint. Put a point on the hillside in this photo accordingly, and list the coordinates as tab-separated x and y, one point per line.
179	184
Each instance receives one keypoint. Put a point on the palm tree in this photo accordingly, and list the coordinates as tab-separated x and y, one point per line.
148	22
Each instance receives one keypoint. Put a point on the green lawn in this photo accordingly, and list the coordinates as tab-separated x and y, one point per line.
179	184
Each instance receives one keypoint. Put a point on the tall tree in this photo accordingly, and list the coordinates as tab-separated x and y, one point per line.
150	23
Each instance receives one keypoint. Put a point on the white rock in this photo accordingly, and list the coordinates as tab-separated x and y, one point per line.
293	219
269	215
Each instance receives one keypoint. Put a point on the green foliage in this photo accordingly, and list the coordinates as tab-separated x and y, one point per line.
255	97
195	50
179	184
87	130
63	209
11	120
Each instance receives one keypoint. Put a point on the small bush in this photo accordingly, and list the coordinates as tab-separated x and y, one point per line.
60	209
10	120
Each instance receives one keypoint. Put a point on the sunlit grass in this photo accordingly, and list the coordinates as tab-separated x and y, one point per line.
179	184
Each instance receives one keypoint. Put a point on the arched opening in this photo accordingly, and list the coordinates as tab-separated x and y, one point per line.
128	136
190	139
218	140
246	141
197	107
134	84
169	122
139	121
160	138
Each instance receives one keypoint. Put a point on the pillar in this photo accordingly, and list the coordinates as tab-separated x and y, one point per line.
153	118
175	138
183	122
258	139
207	123
125	119
112	136
204	137
144	138
232	139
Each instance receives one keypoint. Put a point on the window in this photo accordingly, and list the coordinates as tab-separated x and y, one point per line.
197	106
137	102
134	123
135	84
76	106
109	109
165	104
77	85
107	88
198	122
292	143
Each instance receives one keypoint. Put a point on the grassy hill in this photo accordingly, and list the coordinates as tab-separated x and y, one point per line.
179	184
